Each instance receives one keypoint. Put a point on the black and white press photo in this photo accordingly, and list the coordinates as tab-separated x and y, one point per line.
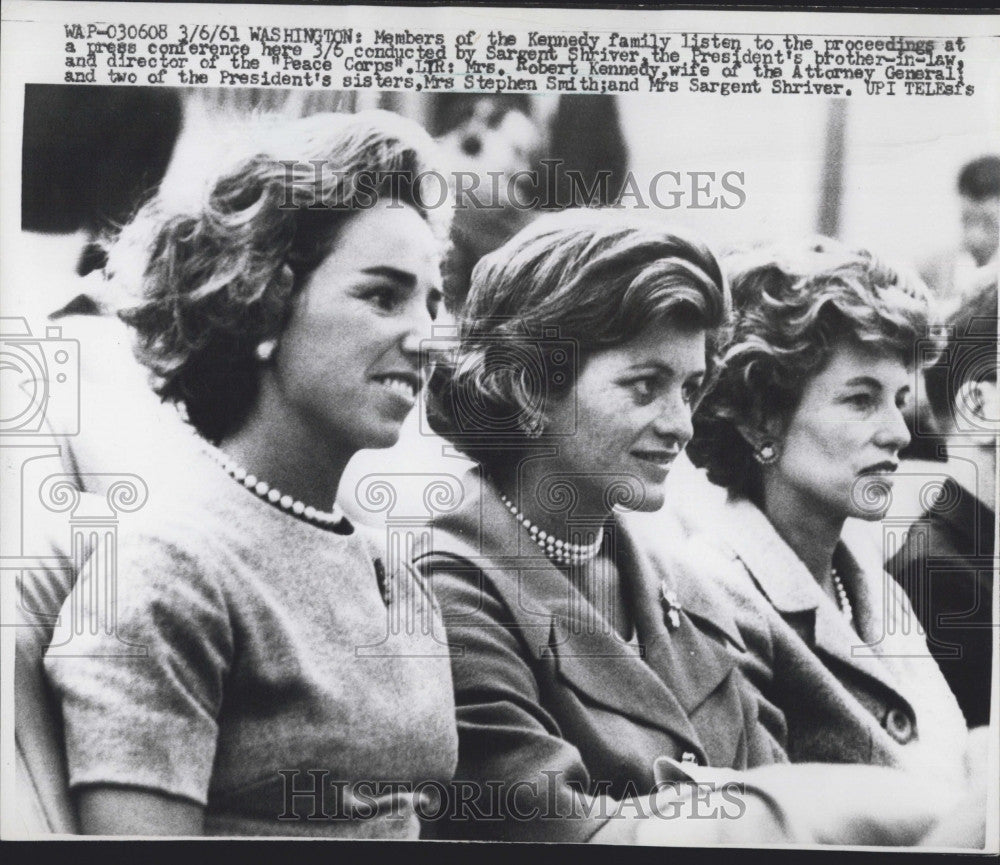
499	425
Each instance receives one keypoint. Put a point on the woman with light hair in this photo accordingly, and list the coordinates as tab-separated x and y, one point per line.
283	313
596	681
803	430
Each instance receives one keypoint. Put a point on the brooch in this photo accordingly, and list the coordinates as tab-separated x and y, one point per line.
671	606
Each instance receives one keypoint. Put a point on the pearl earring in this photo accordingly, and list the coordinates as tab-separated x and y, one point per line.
265	350
766	454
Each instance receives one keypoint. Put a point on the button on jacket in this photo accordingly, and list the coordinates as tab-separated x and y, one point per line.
868	694
550	699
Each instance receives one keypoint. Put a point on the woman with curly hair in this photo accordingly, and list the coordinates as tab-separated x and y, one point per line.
803	429
252	658
594	680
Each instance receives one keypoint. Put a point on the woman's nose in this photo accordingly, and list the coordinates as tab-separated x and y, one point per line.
894	433
419	333
674	421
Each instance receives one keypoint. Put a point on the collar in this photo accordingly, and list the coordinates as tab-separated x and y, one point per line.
792	590
682	666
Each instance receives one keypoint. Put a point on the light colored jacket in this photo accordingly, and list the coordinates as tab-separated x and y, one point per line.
871	695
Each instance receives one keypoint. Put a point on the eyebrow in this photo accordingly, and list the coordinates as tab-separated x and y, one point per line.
664	367
868	381
859	380
394	273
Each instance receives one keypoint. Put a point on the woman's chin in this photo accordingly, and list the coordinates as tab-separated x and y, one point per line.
652	501
382	438
871	499
870	515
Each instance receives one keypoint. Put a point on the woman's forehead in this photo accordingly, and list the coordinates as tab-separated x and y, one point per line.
851	361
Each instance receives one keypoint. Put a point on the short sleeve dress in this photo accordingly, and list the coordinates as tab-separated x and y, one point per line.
272	671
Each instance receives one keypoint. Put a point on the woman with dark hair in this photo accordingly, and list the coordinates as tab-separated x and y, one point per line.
592	681
804	429
252	656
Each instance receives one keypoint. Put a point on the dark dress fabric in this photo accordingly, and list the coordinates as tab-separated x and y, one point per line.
560	718
946	565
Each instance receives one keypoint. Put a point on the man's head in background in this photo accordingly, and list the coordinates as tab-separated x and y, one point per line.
490	133
979	188
962	385
498	139
90	157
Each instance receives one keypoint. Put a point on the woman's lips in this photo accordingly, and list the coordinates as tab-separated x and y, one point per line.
661	458
887	467
401	384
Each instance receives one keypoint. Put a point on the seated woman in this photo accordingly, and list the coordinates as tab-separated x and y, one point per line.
252	684
589	677
804	429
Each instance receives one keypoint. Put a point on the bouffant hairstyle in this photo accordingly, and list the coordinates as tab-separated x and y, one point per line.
567	285
217	276
793	305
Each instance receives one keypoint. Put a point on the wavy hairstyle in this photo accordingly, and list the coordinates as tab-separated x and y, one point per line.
567	285
793	305
217	278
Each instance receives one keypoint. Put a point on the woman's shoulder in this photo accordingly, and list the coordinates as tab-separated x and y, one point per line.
707	558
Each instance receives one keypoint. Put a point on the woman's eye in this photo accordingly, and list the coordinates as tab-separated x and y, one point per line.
385	299
691	392
643	390
861	401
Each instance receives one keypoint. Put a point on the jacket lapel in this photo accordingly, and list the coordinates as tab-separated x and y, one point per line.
669	649
563	624
794	593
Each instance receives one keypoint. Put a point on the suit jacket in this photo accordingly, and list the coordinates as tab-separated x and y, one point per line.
871	695
557	711
946	567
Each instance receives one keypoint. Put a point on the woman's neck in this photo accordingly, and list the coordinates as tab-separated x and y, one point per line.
812	535
288	456
563	507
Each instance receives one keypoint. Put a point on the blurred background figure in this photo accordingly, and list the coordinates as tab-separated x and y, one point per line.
90	156
946	561
954	274
496	140
587	138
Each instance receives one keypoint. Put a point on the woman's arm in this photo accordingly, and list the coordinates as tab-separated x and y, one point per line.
130	811
140	704
515	772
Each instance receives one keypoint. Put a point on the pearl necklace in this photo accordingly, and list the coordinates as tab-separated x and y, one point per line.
842	600
558	551
323	519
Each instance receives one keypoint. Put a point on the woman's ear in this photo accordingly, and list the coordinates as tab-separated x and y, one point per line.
751	435
765	431
763	439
